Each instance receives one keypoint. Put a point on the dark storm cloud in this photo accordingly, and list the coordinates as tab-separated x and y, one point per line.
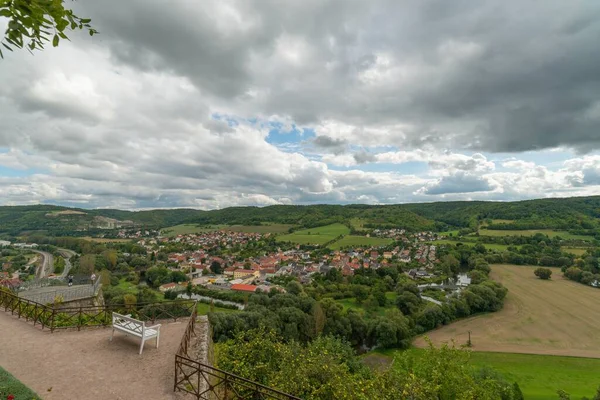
459	183
496	77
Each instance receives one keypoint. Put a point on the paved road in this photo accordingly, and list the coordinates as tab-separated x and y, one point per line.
67	254
47	265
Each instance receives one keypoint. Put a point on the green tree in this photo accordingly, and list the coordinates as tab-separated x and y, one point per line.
543	273
31	23
215	267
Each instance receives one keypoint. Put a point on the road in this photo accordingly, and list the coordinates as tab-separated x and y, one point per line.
47	265
67	254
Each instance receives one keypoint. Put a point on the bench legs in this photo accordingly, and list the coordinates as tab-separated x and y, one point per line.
157	338
111	335
142	346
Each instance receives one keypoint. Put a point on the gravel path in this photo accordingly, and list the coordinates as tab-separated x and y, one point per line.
85	365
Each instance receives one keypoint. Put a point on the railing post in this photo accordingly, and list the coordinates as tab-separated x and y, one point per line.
79	319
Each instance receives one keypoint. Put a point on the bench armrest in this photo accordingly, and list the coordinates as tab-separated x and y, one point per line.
154	326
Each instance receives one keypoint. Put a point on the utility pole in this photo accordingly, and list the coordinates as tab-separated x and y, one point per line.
469	341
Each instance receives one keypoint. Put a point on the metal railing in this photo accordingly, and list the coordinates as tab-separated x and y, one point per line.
190	331
205	382
80	317
208	383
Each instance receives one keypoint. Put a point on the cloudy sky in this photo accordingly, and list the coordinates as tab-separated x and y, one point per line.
220	103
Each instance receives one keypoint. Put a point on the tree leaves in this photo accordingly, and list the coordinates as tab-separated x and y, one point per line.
30	23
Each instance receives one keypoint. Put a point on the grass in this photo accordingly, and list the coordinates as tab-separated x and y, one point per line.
185	229
554	317
574	250
364	241
449	233
538	376
358	224
128	287
272	228
531	232
204	309
10	385
319	235
351	304
104	240
489	246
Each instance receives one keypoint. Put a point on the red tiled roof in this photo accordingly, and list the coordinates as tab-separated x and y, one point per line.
243	288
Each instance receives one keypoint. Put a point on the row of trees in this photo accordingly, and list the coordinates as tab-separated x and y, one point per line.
304	313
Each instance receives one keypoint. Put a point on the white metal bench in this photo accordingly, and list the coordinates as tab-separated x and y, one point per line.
130	326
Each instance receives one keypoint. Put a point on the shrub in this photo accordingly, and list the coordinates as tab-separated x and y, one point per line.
543	273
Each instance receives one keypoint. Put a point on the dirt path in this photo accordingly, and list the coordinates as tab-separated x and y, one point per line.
557	317
85	365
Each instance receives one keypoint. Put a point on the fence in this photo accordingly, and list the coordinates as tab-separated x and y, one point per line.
208	383
205	382
66	293
80	317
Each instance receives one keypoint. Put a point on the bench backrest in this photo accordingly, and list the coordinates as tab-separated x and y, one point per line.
129	323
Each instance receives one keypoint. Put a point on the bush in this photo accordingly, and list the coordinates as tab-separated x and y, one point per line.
543	273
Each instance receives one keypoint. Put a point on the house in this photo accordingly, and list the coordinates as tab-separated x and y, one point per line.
229	271
167	286
244	288
387	255
243	273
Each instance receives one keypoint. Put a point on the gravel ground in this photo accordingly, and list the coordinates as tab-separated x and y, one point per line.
85	365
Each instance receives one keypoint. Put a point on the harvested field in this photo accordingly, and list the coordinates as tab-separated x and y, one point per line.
557	317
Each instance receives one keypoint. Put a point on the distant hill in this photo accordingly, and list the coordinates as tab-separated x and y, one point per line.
577	213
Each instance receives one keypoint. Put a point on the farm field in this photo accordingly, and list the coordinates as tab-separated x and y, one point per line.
104	240
204	309
531	232
188	228
358	224
318	235
538	376
489	246
574	250
274	228
359	241
555	317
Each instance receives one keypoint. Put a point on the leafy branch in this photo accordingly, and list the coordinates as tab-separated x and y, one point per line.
34	23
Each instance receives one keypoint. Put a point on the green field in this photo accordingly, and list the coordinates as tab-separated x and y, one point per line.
204	309
449	233
531	232
538	376
10	385
541	376
192	228
185	229
319	235
351	304
350	240
489	246
273	228
574	250
358	224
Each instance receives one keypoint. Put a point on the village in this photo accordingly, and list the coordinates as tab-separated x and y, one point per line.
212	260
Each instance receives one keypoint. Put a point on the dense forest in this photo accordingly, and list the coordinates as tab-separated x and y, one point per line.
578	214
